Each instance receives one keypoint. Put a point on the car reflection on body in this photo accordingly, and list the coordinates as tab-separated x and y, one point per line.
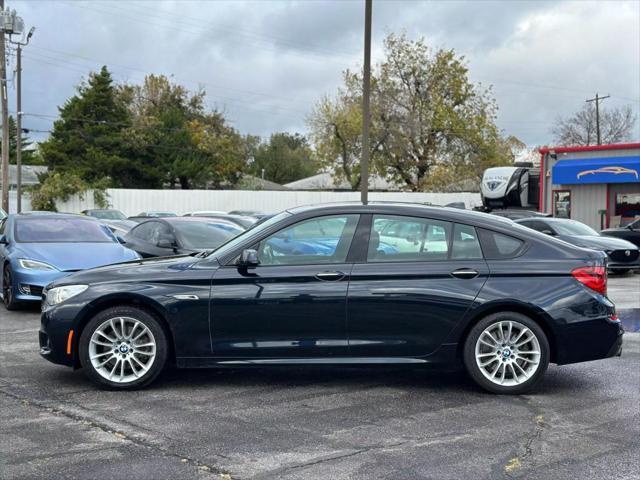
36	249
502	300
161	237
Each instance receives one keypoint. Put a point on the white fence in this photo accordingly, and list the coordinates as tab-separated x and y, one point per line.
132	202
13	205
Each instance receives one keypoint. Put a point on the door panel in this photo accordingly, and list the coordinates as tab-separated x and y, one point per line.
279	311
407	308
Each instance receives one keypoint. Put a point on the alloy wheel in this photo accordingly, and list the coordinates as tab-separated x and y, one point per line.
7	291
507	353
122	349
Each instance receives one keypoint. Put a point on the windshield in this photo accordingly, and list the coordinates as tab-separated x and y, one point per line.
108	214
204	235
571	227
63	230
254	230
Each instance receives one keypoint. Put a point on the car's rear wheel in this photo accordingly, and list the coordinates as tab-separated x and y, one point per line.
8	296
123	348
506	353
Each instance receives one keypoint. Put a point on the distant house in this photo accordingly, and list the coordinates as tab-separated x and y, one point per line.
29	175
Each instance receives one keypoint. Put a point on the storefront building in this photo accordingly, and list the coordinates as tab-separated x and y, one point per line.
597	185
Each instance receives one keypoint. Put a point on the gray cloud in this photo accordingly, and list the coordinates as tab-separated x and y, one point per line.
265	63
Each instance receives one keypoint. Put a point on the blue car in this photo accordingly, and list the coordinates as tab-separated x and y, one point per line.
38	248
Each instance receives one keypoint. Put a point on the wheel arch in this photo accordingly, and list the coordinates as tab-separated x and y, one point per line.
536	314
128	300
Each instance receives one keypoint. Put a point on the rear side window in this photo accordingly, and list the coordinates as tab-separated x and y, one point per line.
497	246
144	231
466	245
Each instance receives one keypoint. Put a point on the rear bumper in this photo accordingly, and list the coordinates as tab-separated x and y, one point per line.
589	340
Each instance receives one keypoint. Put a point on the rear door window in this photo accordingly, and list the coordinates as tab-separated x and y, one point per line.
397	239
466	245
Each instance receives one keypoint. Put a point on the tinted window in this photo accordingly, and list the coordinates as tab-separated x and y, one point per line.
61	230
571	227
144	231
3	223
498	246
395	238
465	243
537	225
205	235
315	241
107	214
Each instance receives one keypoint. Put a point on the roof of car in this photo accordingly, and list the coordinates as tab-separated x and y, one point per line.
399	208
43	214
191	219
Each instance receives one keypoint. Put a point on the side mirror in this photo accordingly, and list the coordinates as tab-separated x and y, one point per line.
548	232
3	240
249	258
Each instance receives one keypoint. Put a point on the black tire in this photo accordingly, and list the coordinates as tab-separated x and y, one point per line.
619	271
9	299
474	370
144	317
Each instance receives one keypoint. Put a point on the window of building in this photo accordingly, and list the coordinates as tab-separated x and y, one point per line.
562	203
627	208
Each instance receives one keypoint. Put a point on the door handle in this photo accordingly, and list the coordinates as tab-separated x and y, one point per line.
466	273
330	276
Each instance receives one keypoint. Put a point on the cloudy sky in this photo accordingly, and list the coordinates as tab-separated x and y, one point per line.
265	63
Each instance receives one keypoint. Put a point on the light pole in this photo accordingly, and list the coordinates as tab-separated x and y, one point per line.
10	24
366	116
19	116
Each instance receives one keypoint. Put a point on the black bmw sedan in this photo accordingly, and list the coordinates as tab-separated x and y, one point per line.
346	284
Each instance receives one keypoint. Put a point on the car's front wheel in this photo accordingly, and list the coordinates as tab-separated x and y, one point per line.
123	348
506	353
8	296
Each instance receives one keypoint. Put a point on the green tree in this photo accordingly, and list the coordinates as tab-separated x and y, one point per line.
29	156
284	158
426	113
181	143
88	138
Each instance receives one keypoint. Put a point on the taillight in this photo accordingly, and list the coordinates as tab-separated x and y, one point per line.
593	277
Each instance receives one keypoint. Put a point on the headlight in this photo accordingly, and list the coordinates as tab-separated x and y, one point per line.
34	265
60	294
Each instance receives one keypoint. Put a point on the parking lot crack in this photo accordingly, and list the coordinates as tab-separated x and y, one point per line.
105	427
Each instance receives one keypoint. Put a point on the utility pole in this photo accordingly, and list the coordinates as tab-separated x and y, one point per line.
5	120
19	117
597	99
366	92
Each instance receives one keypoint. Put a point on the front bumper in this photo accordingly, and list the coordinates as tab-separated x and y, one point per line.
29	284
613	266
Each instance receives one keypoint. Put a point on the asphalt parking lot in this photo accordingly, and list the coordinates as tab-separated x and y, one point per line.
582	422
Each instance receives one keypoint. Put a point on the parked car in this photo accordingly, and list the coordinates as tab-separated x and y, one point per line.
205	213
631	233
623	255
119	227
105	214
503	301
248	213
517	214
163	237
244	222
36	249
142	216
